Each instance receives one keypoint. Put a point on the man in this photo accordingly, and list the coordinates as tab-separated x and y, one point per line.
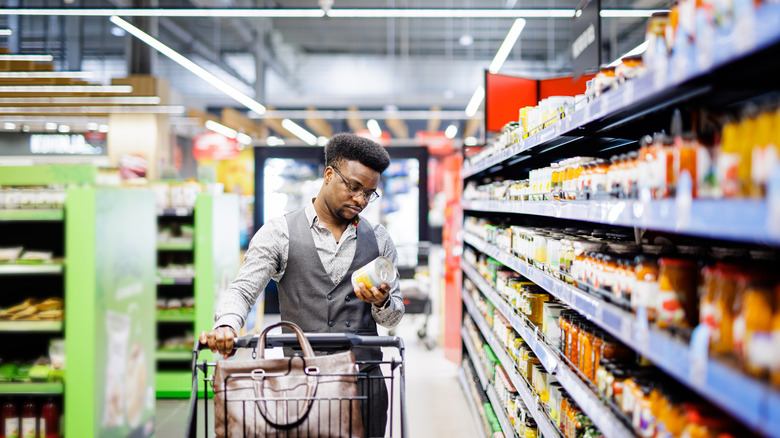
312	252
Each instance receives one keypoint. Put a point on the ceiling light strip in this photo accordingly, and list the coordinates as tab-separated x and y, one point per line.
6	32
333	13
108	100
45	75
66	89
475	102
298	131
162	109
379	115
199	71
507	45
41	58
635	51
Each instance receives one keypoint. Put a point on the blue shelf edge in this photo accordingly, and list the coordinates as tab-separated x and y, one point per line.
751	401
731	219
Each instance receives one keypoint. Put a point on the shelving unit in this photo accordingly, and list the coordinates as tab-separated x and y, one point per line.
629	110
529	398
748	399
465	385
31	269
31	388
214	251
32	215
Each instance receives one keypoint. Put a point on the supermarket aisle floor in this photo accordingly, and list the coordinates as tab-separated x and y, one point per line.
436	405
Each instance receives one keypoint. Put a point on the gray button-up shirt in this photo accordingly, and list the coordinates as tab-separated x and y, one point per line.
266	259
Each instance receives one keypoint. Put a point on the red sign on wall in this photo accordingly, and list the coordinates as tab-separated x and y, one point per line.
214	146
437	142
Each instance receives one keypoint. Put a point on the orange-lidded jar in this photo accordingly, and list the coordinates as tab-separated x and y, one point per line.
774	369
725	277
585	346
753	305
598	342
646	288
677	303
565	323
574	335
703	422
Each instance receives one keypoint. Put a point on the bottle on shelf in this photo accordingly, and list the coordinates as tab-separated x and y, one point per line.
29	420
49	424
9	419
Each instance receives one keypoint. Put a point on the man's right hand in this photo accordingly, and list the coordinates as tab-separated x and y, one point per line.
219	340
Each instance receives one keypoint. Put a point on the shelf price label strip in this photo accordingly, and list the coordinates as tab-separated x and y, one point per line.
472	350
531	402
588	402
748	399
470	401
733	219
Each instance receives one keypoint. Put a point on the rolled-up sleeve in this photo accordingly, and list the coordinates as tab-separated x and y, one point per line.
263	261
391	313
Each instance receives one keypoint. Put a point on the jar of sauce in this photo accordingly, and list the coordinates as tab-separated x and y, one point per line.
9	420
677	293
753	306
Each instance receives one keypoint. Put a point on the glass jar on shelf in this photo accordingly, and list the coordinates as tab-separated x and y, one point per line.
676	306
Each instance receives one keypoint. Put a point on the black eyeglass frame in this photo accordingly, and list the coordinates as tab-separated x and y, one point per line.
370	195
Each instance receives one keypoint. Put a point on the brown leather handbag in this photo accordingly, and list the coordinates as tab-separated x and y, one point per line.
293	396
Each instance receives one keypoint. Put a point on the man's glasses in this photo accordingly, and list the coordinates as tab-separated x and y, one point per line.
369	195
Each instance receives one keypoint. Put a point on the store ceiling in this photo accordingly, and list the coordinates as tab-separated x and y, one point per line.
328	63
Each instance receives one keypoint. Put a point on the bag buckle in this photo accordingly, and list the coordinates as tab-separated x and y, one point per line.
312	370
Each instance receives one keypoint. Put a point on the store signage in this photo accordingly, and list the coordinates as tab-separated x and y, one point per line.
214	146
76	144
586	37
437	142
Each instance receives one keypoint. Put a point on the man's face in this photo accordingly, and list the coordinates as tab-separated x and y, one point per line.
346	194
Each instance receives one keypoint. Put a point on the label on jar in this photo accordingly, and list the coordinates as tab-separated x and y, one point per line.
670	309
761	348
645	293
42	428
12	427
738	334
28	427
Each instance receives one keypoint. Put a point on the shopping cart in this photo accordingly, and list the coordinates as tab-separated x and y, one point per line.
392	376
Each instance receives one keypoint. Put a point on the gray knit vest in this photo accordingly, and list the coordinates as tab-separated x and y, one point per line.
309	298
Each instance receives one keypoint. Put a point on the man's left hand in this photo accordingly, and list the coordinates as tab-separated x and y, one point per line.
376	295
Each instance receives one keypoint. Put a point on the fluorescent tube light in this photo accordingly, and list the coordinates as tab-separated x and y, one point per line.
191	66
630	13
162	109
92	126
475	102
45	75
8	126
333	13
635	51
273	140
103	128
66	89
124	100
50	126
6	32
63	129
451	131
243	138
373	128
506	46
322	140
299	132
42	58
470	141
221	129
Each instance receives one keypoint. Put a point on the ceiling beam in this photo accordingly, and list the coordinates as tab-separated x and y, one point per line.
320	126
354	120
435	121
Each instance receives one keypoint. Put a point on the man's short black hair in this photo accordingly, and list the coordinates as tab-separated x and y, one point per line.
351	147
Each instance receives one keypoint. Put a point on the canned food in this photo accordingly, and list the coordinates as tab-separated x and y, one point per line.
380	270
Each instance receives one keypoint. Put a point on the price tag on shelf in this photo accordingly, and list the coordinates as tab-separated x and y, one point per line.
698	354
641	329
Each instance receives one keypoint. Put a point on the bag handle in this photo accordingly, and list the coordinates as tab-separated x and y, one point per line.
305	345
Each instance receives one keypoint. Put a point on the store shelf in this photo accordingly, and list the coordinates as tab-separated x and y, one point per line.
173	356
465	386
730	219
653	91
500	410
751	401
31	326
472	350
175	280
175	212
184	245
31	388
32	215
546	427
176	317
31	269
606	420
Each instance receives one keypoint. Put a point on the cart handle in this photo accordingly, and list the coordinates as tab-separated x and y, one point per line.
319	341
